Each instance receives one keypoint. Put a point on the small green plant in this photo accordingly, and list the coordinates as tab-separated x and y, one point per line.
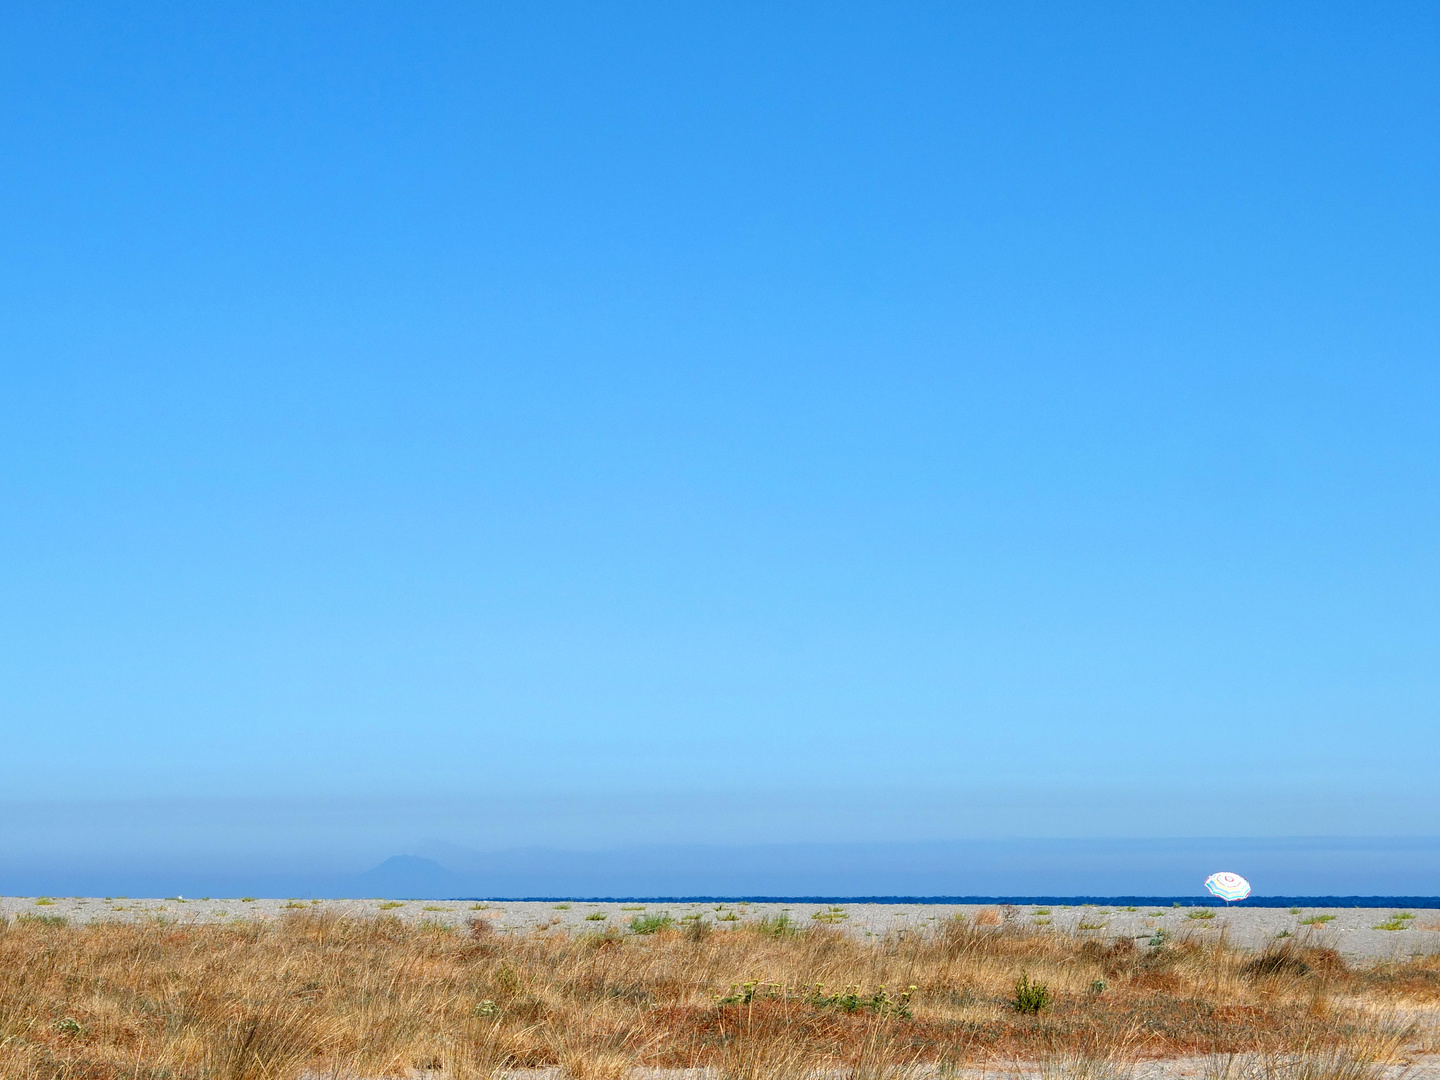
1098	987
1317	920
1042	911
650	924
1031	998
479	907
485	1007
1042	921
595	916
1294	911
740	993
830	915
637	907
434	907
44	901
1130	909
68	1026
294	904
777	926
243	899
1284	933
1200	913
729	916
1157	914
850	1000
1157	940
562	907
611	937
1398	921
391	905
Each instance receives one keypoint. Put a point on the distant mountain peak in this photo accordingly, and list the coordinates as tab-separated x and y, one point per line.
412	877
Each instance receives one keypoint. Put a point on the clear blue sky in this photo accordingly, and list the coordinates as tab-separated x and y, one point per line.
937	419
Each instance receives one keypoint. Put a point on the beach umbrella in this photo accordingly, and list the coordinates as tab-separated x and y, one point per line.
1228	886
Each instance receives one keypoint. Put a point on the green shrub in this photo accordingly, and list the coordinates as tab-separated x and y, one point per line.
1030	997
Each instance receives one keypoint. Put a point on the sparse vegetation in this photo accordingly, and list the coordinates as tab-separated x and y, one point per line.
391	905
596	916
1399	921
650	924
42	920
1200	913
1317	920
777	926
313	994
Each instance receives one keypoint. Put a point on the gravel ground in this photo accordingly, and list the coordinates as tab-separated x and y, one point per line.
1353	931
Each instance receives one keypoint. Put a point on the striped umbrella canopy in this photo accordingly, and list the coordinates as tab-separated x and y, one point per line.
1228	886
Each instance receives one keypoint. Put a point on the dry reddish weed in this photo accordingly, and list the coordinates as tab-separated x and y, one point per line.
320	995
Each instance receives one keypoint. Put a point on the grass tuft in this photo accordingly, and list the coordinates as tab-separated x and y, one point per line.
1031	997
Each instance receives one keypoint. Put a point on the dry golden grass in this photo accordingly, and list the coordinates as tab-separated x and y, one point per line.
323	996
